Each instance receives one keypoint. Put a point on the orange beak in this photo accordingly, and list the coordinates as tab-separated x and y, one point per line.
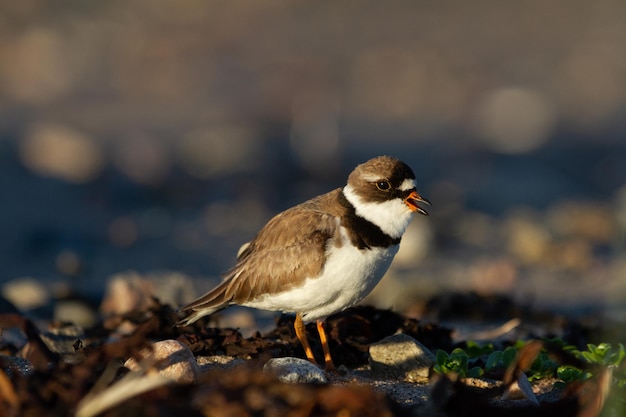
412	200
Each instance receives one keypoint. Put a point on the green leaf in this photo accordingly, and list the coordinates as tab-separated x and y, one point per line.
493	360
437	368
568	373
591	357
458	352
509	356
475	372
542	367
461	359
442	357
616	358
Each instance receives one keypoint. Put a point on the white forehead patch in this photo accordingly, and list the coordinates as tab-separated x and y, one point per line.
407	184
371	177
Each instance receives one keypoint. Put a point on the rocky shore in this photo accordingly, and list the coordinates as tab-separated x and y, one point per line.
133	361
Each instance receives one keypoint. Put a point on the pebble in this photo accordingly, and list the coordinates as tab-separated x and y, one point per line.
63	339
210	363
401	357
26	293
178	362
126	292
295	370
75	311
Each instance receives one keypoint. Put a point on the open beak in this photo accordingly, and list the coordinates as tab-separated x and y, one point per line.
412	200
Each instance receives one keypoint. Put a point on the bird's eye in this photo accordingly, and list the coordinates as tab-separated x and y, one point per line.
383	185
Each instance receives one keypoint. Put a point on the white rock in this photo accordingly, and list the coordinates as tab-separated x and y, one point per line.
402	357
176	361
74	311
295	370
26	293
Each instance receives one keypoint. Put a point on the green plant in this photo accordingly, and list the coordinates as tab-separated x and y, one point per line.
501	359
569	374
603	355
457	361
542	367
475	350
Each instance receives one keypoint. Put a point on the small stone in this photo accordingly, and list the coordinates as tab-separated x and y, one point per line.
26	293
62	339
295	370
223	362
175	361
126	292
74	311
401	357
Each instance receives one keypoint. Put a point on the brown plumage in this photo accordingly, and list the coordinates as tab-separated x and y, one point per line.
274	262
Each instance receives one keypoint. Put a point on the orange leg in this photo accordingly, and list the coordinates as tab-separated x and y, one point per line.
301	333
328	360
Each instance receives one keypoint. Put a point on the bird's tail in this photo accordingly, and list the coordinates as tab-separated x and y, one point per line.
209	303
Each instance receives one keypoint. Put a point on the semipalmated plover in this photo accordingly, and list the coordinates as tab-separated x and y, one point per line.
324	255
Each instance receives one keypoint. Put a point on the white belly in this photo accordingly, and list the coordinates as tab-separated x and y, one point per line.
348	276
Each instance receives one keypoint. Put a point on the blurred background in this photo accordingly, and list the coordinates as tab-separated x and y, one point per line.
153	138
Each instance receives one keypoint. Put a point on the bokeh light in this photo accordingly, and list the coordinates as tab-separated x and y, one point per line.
146	135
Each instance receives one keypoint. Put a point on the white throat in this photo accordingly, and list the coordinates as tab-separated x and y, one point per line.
392	217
